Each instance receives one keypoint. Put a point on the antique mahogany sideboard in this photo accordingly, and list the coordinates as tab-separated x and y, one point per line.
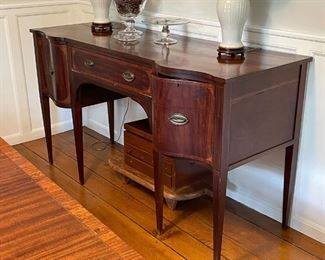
221	115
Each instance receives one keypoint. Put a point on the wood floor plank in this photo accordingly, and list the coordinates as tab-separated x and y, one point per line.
129	231
192	226
175	238
274	227
189	228
272	242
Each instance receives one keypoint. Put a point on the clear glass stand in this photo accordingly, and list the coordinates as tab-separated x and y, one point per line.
165	38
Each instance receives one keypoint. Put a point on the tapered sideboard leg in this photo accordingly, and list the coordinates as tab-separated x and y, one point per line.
45	104
110	109
290	169
219	200
77	124
159	191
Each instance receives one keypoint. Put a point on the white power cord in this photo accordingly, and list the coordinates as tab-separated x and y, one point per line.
102	145
123	120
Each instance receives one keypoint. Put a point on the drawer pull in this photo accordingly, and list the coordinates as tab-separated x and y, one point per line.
178	119
128	76
89	63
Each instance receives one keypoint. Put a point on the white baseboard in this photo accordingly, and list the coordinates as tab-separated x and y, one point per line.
37	133
300	224
101	128
308	228
258	205
97	127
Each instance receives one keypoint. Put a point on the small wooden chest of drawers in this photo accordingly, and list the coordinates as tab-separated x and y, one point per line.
138	153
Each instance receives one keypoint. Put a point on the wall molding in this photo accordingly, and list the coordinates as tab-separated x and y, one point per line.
15	64
12	13
18	17
253	36
301	224
37	3
4	20
308	227
286	34
211	30
39	13
100	128
318	53
259	205
38	133
208	25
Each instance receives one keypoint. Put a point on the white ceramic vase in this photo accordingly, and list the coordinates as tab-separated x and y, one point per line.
232	16
101	11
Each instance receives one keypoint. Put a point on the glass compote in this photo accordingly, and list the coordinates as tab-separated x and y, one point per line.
129	10
165	38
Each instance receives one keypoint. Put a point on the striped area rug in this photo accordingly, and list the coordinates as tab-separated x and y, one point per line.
38	220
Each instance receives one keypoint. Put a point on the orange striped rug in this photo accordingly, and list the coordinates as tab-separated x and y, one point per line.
38	220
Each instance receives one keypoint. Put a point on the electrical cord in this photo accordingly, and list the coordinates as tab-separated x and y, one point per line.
102	145
123	120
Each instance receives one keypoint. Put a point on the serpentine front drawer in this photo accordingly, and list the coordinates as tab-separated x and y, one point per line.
183	117
115	71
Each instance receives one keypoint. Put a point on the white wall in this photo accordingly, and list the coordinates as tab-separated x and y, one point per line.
258	184
303	16
20	114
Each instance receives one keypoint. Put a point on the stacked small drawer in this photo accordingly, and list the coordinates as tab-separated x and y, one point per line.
138	153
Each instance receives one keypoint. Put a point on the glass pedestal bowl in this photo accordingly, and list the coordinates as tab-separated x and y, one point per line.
128	11
165	38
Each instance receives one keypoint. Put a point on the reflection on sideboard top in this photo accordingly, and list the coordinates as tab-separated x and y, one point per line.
190	54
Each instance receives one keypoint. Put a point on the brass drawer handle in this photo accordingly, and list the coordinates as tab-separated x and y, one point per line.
178	119
89	63
128	76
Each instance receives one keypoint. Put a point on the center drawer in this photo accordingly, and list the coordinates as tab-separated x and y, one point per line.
112	70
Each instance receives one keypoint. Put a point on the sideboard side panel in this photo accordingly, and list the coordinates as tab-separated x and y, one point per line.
263	112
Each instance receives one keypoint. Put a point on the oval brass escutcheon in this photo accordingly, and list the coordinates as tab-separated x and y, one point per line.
89	63
178	119
128	76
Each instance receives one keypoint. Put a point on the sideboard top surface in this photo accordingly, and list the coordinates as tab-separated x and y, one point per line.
189	55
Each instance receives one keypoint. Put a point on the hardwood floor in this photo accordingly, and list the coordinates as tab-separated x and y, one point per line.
128	209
